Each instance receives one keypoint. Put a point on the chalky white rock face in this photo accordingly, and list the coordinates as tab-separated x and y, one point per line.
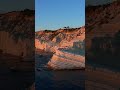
68	48
69	58
50	40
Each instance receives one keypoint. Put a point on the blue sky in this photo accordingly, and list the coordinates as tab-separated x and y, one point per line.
55	14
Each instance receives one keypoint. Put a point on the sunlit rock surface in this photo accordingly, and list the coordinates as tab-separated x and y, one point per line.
50	40
68	47
69	58
17	33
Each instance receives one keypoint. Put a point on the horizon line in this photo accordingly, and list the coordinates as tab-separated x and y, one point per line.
60	28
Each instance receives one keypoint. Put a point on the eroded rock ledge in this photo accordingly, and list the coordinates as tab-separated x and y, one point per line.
68	47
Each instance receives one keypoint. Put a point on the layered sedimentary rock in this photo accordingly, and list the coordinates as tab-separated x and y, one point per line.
67	59
50	40
67	45
17	33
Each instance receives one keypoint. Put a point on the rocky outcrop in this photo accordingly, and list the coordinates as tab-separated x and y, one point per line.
50	40
66	60
68	47
102	20
103	34
17	33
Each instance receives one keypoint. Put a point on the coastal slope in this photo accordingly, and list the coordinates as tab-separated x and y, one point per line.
67	46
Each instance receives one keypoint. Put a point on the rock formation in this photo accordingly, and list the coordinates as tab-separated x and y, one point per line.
103	34
102	20
50	40
70	58
17	33
17	49
67	45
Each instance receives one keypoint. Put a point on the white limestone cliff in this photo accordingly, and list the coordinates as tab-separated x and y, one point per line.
70	58
67	45
48	41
